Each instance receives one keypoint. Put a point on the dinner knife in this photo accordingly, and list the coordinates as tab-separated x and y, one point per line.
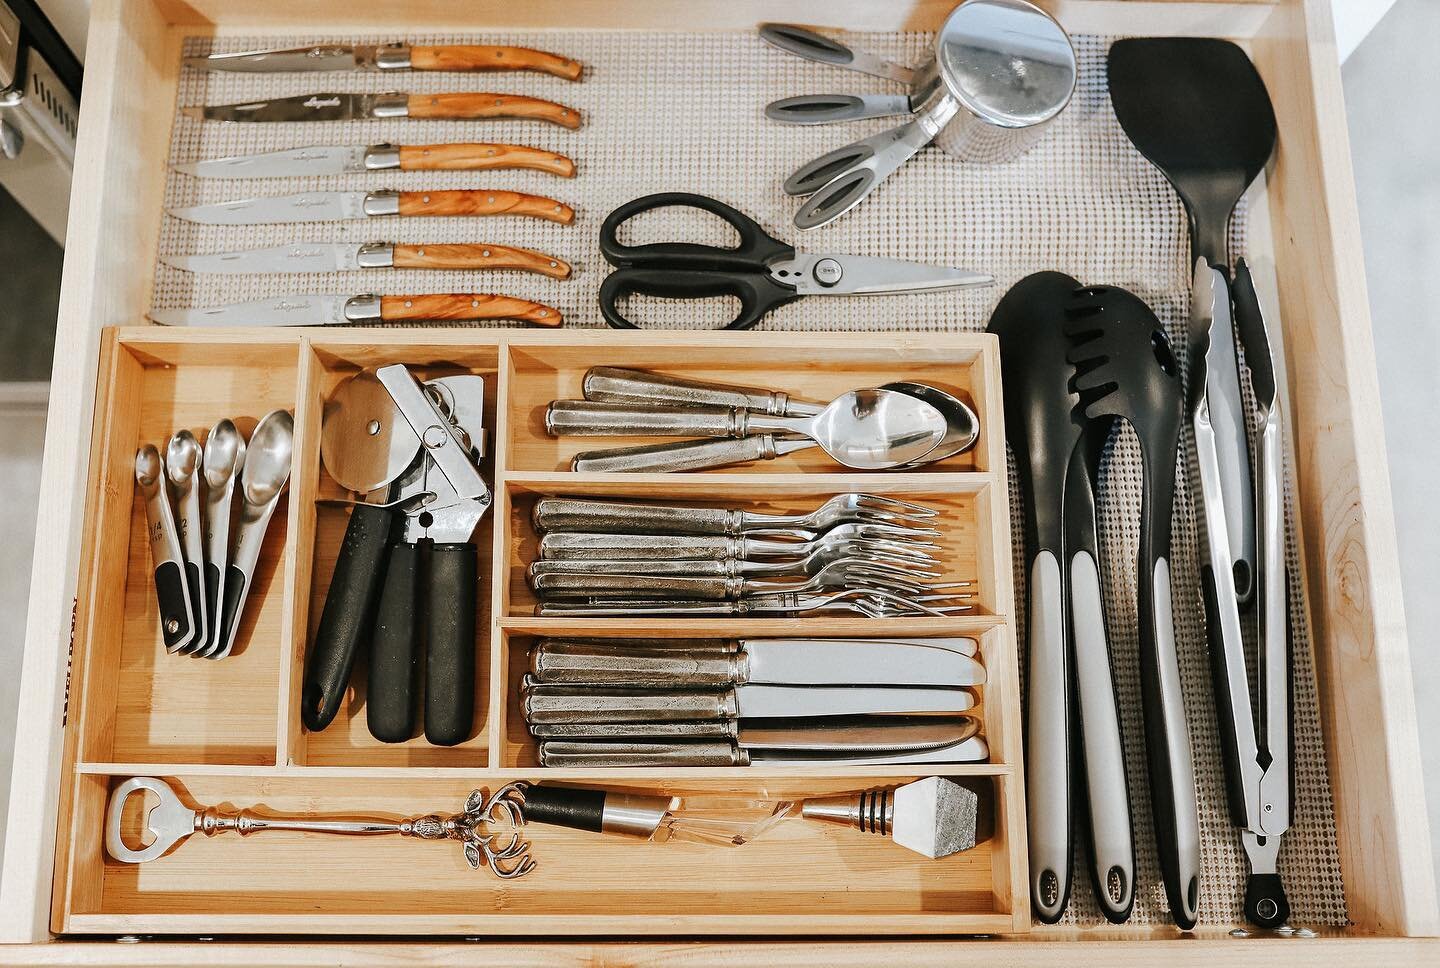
795	662
342	257
323	310
390	57
545	703
956	643
341	106
349	159
340	206
856	742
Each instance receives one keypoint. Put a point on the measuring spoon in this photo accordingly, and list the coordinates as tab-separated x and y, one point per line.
262	481
182	469
224	456
172	592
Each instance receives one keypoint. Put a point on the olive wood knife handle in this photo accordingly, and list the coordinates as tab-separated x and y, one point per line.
483	156
466	306
482	106
479	256
466	201
483	57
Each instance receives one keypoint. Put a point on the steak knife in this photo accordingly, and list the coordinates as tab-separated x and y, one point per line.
794	662
339	206
322	310
342	257
544	703
341	106
349	159
390	57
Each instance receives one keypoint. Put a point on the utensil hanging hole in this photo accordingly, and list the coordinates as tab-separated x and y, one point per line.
1164	355
1049	889
426	519
1117	885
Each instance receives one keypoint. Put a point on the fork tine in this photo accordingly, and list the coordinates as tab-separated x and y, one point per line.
894	504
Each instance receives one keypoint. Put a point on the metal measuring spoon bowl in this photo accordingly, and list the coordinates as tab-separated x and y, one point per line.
182	468
224	456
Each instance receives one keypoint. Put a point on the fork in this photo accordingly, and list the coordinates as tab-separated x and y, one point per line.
571	514
802	567
868	602
858	539
844	573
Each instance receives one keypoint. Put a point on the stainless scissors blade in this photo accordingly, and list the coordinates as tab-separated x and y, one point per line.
855	275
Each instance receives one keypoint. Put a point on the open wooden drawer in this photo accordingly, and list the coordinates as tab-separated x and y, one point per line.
62	773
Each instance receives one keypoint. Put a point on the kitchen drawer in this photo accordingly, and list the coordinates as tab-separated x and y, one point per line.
1304	225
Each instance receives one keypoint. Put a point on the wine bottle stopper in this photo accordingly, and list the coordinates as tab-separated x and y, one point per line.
935	816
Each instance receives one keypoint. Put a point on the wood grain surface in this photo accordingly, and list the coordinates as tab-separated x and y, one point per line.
479	57
485	202
466	306
478	106
479	255
483	156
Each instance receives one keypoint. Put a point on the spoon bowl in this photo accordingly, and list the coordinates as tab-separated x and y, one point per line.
869	429
148	467
224	454
267	459
961	423
182	457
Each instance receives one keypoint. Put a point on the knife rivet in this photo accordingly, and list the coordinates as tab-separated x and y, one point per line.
408	303
491	199
490	152
474	304
544	313
425	199
553	263
372	428
420	252
499	101
485	253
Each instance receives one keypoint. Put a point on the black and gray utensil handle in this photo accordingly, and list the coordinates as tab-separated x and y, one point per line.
1047	740
685	455
589	418
563	753
632	667
1172	769
393	676
172	595
1232	447
450	643
566	704
612	384
652	549
1101	759
836	108
348	616
571	514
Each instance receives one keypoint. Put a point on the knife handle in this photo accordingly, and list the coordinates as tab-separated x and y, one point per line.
478	256
589	418
634	668
581	754
477	57
466	306
575	514
634	586
483	156
568	704
684	730
478	106
468	201
687	645
681	455
575	546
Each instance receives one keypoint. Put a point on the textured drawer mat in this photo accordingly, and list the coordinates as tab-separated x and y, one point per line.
682	112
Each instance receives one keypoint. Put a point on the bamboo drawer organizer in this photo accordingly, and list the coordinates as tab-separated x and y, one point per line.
229	730
100	701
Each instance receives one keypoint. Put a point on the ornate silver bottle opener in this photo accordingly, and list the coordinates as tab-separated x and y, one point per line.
504	851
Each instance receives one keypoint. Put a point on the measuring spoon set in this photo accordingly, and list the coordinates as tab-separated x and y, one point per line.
207	508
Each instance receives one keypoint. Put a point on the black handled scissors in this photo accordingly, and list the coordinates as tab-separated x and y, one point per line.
762	272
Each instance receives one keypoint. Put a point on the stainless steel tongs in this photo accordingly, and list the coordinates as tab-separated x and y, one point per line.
1255	742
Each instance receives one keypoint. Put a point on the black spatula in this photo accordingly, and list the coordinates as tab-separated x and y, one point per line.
1197	108
1126	370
